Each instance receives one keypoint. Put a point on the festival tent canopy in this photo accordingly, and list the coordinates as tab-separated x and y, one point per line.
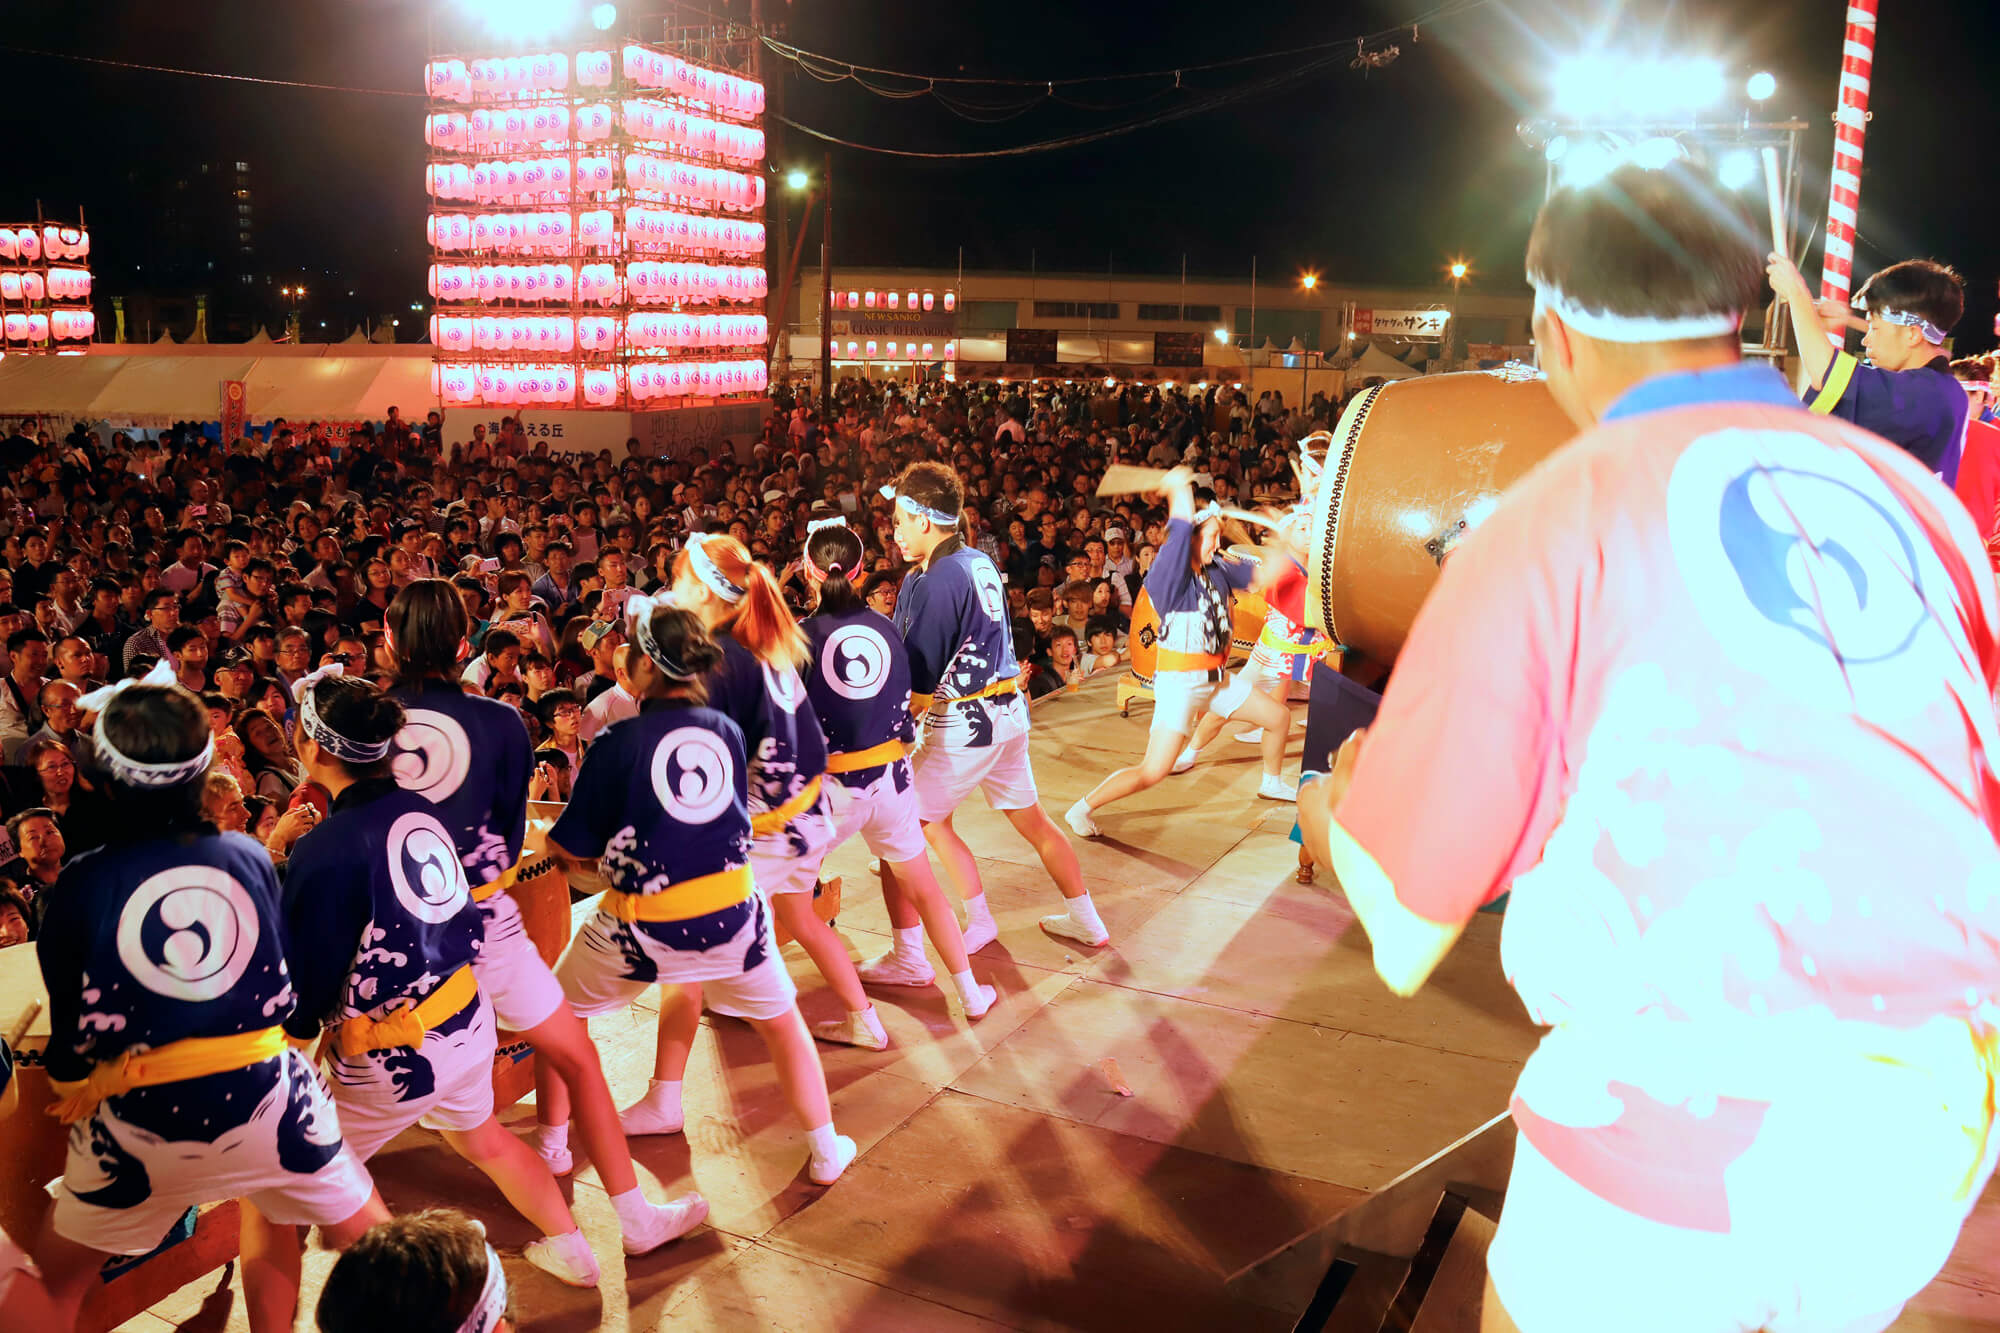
1374	363
157	390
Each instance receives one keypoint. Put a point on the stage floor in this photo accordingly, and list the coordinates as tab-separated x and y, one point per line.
1002	1183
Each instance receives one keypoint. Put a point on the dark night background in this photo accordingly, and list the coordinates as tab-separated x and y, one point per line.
1368	177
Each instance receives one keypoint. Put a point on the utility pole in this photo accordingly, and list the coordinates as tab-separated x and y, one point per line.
777	228
826	294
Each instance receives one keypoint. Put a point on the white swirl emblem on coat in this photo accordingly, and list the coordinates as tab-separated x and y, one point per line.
424	868
855	662
433	754
188	933
693	775
784	687
992	597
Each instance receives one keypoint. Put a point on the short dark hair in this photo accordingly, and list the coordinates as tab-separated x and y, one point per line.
1648	242
499	641
25	635
932	485
419	1271
1921	287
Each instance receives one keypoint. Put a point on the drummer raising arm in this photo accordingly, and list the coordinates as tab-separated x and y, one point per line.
1191	590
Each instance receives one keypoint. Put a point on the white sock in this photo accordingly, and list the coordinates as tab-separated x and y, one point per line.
968	989
910	943
871	1020
552	1137
977	912
1084	913
659	1111
634	1209
573	1248
824	1142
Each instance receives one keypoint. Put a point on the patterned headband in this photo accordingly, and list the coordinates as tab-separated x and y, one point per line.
639	612
1932	333
704	567
324	736
911	507
492	1304
123	768
805	552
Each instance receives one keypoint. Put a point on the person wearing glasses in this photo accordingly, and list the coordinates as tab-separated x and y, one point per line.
79	812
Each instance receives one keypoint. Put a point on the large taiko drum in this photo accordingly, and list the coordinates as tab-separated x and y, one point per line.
32	1144
1412	467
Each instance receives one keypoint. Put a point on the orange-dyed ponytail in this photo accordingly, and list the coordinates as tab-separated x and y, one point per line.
760	621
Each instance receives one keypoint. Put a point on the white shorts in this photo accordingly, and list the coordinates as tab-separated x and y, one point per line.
124	1187
730	954
885	818
524	991
1181	697
1835	1256
778	869
943	776
447	1084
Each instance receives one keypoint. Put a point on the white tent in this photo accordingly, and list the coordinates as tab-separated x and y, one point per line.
1374	363
155	389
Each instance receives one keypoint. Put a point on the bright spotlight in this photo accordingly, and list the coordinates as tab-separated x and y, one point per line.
1556	148
603	16
1458	269
1737	170
1655	154
1222	335
523	20
1761	86
1612	87
796	179
1309	281
1586	164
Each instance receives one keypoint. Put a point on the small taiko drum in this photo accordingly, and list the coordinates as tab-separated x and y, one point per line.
1413	466
1143	639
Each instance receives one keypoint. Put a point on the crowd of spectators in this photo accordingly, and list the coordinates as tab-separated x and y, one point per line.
248	564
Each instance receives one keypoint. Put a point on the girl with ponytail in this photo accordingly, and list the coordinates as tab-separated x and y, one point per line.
470	757
758	687
858	678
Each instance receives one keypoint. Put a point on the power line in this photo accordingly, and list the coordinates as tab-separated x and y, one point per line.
210	74
833	69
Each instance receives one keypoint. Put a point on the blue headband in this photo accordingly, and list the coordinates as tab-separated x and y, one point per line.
710	573
909	506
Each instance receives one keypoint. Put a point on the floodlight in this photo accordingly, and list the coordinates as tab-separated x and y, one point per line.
1222	335
603	16
522	20
1738	169
1556	148
1761	86
795	179
1654	154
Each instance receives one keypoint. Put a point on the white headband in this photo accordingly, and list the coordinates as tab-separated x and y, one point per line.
492	1306
125	769
639	613
710	573
805	552
909	506
322	734
1607	327
1932	333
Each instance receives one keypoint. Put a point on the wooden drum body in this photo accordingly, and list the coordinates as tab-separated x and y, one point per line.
1412	468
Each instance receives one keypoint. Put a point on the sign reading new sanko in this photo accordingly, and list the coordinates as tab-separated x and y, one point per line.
941	325
1180	349
1401	323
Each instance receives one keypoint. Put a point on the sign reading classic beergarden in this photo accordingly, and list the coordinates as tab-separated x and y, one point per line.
1401	323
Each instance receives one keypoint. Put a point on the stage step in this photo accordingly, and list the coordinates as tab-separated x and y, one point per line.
1436	1290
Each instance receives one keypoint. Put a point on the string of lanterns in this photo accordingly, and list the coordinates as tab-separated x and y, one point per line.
645	282
557	334
25	243
557	384
56	295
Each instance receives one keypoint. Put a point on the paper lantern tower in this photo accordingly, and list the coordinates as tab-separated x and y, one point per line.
45	284
596	227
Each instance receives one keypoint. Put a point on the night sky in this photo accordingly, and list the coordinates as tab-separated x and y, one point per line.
1370	177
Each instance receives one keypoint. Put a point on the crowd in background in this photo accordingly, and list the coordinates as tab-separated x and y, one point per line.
250	563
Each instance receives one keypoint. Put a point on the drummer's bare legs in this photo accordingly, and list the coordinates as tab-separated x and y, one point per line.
1211	724
271	1260
1161	749
961	871
917	908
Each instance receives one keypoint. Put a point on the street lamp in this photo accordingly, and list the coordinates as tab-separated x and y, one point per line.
1309	281
796	179
1460	271
1222	335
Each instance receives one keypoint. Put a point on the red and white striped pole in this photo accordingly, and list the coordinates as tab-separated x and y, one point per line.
1850	132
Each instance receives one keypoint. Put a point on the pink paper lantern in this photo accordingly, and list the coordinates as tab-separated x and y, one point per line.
950	301
600	388
15	327
38	328
868	300
10	246
33	288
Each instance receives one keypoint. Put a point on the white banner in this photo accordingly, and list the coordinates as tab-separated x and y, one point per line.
669	433
1402	323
